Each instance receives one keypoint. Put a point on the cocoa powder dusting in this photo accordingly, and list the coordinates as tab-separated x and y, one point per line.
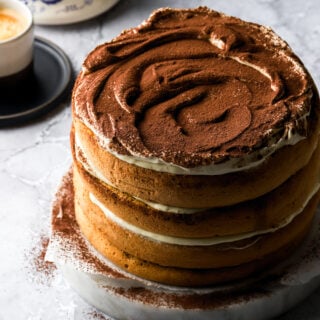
95	315
193	87
43	271
46	267
64	226
204	301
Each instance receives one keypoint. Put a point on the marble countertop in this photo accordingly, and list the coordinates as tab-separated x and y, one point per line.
34	157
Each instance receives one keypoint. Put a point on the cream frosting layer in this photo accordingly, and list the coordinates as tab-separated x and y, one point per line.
197	241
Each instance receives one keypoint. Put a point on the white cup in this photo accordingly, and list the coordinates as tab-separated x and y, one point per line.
16	42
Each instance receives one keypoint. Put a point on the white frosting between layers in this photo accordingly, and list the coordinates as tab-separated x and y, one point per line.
95	172
229	166
197	241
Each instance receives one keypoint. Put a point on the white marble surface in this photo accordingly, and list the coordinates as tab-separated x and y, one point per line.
34	157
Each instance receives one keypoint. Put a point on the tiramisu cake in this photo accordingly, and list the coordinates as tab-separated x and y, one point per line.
195	148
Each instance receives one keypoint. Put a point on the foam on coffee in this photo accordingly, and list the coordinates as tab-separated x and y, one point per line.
11	23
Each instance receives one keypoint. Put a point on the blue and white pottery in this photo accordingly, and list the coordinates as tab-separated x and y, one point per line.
55	12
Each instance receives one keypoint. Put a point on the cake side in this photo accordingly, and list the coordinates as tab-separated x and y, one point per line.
268	212
193	191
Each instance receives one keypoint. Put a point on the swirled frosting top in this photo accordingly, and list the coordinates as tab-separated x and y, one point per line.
194	87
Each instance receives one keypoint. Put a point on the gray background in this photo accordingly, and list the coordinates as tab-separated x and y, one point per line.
34	157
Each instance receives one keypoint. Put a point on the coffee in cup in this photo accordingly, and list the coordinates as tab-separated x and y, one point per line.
12	23
16	45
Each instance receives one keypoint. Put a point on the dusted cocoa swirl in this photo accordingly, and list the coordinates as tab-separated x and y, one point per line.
193	88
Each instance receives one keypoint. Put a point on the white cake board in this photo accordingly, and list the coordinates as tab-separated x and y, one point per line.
273	303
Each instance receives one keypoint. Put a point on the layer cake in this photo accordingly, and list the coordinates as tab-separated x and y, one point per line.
195	148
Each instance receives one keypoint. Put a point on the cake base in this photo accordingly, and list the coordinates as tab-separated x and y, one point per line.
124	296
133	305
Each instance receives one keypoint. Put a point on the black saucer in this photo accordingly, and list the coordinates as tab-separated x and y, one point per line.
51	81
